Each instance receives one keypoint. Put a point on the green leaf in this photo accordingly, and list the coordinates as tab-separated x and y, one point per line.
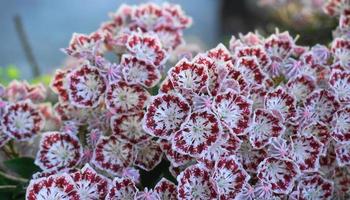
23	166
12	72
44	79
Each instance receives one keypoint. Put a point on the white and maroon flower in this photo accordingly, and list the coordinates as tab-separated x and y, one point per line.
342	152
265	126
89	184
229	177
146	47
189	76
112	155
314	186
279	45
322	104
169	38
341	51
86	86
166	86
59	84
122	97
235	81
306	151
280	173
165	114
178	18
320	131
21	120
300	87
216	73
148	155
58	150
220	63
228	144
137	71
166	190
176	159
251	70
53	187
281	103
340	130
122	188
129	127
255	51
340	83
233	110
83	46
195	183
16	91
148	16
221	56
201	131
334	7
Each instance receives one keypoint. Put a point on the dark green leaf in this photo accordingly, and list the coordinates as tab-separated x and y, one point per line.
23	166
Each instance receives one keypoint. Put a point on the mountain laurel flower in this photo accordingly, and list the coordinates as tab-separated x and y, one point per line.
263	118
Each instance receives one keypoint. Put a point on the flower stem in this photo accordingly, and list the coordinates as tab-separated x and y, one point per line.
13	178
7	187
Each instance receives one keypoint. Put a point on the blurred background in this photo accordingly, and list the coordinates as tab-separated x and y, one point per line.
48	25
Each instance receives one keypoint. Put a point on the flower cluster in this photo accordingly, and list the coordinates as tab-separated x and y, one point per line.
340	9
262	119
102	98
22	114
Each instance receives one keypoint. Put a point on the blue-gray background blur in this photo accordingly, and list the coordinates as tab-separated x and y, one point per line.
49	25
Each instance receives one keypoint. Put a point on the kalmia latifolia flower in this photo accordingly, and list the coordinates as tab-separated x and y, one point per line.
229	177
195	183
122	188
281	103
165	114
201	131
166	189
53	187
262	119
306	152
139	72
279	173
112	154
21	120
122	97
341	125
264	127
147	48
58	150
314	186
233	110
86	86
89	184
129	127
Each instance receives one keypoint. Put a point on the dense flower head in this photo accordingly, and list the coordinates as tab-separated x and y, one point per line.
263	118
22	113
